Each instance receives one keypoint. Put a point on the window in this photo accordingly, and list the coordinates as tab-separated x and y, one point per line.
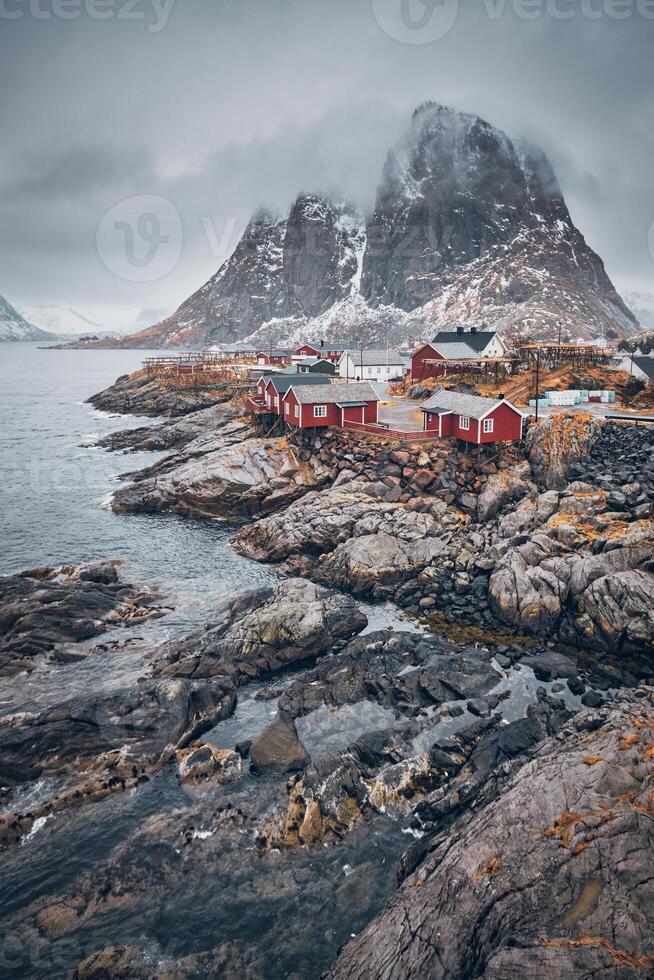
464	422
287	409
276	401
297	411
319	411
488	425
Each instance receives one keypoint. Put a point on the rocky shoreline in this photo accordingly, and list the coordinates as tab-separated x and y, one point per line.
497	750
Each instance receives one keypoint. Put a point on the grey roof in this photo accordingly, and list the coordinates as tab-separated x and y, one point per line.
478	341
336	394
274	353
455	401
282	382
646	365
456	351
372	358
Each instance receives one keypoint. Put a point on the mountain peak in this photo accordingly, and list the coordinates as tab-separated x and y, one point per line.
469	226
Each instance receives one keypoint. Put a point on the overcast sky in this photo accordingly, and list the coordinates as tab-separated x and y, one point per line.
219	106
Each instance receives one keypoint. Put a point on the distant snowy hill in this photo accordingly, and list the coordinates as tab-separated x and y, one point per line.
14	326
468	227
89	319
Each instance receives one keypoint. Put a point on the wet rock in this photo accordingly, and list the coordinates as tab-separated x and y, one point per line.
44	611
278	749
203	763
549	665
591	699
261	631
174	434
525	886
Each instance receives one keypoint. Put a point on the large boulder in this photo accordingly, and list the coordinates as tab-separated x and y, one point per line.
548	874
505	487
262	631
557	443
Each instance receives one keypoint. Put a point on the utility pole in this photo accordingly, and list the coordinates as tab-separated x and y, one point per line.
537	379
361	346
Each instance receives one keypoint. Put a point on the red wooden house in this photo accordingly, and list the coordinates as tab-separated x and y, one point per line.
329	350
437	361
278	358
272	388
309	406
471	418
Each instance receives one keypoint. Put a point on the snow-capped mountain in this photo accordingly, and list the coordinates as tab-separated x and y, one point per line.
14	327
89	319
468	227
283	267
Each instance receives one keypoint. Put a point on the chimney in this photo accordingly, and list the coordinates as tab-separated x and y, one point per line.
460	330
501	396
474	330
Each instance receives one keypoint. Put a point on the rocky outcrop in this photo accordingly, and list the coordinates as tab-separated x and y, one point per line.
47	612
142	394
558	443
544	875
172	435
221	475
202	763
503	488
262	631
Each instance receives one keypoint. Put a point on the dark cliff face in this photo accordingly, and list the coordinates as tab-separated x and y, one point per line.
468	226
456	191
281	268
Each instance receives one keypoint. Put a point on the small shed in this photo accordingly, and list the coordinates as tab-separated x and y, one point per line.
472	418
316	365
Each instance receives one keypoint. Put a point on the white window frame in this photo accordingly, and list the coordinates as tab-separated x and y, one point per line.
320	411
297	411
489	425
464	422
276	401
287	409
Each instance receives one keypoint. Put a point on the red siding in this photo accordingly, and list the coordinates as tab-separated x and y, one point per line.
307	351
507	424
309	421
354	414
420	370
370	413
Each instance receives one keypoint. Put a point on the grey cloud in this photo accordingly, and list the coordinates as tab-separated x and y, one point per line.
234	105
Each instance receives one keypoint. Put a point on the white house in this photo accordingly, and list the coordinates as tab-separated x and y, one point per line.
484	343
371	365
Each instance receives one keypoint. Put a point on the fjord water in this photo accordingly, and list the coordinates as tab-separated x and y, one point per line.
54	483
